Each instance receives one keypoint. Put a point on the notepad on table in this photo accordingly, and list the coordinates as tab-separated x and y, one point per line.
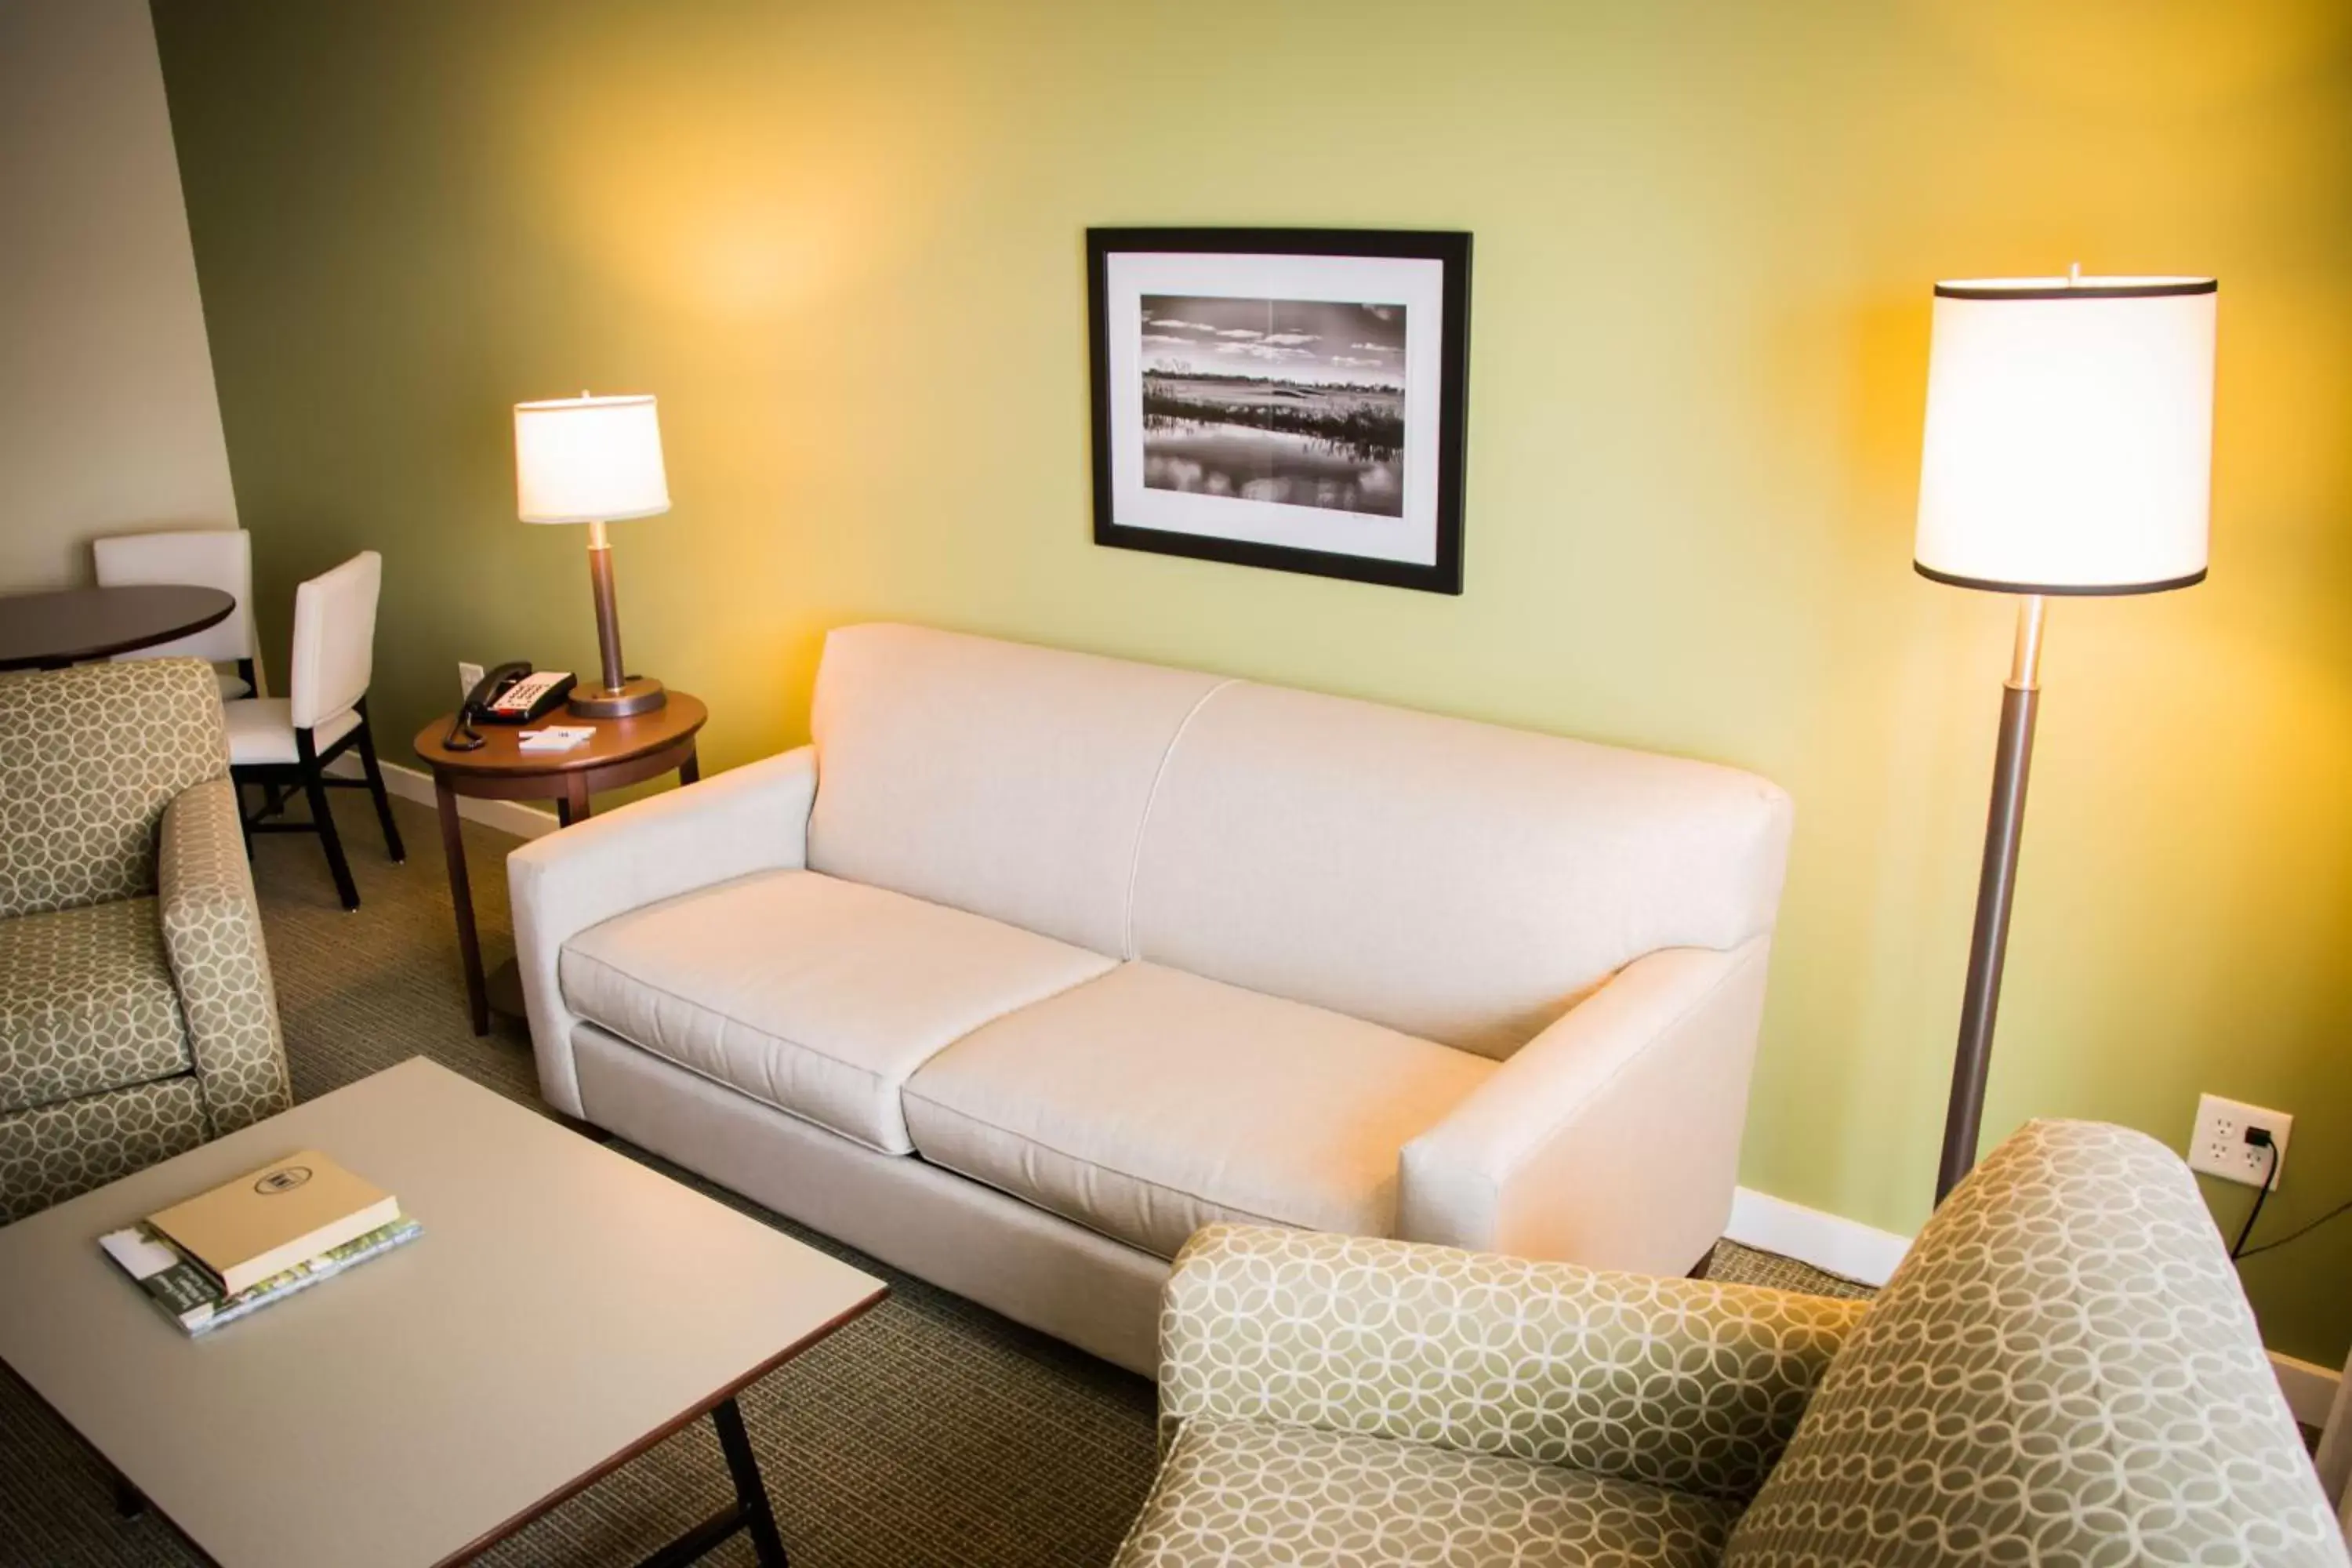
555	738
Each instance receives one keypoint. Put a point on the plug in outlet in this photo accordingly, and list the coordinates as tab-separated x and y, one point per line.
2218	1146
469	676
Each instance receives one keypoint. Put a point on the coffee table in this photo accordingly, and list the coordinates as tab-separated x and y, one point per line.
565	1309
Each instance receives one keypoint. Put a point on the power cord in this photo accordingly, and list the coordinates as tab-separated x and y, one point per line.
2338	1212
2259	1138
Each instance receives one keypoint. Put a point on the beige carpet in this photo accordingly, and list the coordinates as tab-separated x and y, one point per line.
929	1432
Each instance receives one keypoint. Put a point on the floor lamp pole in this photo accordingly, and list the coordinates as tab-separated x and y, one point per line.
1996	886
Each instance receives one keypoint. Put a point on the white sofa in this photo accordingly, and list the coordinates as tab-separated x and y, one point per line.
1033	963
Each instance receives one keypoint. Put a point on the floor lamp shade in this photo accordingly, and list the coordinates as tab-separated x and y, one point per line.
2069	450
2069	435
594	460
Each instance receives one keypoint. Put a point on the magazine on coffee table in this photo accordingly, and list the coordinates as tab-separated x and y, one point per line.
191	1296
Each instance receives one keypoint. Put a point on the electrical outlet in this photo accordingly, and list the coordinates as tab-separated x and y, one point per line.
2218	1146
469	676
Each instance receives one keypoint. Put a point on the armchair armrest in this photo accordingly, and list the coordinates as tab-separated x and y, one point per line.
1675	1383
751	818
1613	1136
211	936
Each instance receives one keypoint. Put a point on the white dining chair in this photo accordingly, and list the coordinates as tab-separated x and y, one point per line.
290	740
208	558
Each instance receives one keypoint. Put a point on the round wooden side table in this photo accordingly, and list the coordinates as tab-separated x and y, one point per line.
622	752
50	631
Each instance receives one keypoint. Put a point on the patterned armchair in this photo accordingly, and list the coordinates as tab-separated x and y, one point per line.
2062	1371
137	1017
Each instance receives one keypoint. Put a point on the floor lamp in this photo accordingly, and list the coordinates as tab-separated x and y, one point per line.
2069	451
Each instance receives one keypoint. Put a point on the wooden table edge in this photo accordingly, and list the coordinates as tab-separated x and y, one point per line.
122	1482
669	1429
607	774
107	650
514	1523
461	764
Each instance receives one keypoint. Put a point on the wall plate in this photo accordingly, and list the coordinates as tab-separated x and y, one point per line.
2219	1148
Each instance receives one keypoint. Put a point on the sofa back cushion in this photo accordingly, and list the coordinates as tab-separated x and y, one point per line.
2063	1370
1456	880
991	776
89	759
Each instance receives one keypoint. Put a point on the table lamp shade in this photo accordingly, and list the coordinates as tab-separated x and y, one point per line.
2069	435
588	459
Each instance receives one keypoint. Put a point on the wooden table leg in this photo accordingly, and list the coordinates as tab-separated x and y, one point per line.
690	770
461	895
575	799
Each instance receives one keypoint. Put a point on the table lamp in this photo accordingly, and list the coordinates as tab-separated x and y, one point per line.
2069	450
594	460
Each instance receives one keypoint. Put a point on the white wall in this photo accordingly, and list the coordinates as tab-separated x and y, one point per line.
107	418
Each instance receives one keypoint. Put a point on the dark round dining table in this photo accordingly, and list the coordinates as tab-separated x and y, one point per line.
70	625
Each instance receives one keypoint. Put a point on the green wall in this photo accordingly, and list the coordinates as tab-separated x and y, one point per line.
841	242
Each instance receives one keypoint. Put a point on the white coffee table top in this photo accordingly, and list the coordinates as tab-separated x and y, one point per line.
564	1307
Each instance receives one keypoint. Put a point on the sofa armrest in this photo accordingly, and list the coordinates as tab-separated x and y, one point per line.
751	818
1675	1383
212	936
1613	1136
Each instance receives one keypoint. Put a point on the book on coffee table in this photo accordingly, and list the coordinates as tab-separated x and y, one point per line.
190	1294
267	1221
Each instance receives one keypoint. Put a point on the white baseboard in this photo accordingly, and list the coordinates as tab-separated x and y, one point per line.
415	783
1845	1248
1853	1251
2310	1390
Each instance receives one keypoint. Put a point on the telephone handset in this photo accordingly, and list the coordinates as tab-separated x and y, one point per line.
510	694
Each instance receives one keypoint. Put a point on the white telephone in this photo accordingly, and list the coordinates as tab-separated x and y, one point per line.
529	698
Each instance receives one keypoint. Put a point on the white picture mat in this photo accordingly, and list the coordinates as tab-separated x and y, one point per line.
1414	282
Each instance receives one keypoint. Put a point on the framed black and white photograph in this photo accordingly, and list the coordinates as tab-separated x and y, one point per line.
1290	398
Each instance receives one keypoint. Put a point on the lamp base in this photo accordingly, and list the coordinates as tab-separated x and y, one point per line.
636	694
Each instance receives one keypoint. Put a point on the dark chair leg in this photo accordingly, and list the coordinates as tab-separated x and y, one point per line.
243	823
366	742
314	785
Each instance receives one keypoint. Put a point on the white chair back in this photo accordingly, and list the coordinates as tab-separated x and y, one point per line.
335	640
208	558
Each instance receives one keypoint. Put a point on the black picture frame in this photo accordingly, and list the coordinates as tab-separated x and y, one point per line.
1451	249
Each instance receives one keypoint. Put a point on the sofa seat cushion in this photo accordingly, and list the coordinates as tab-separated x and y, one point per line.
1150	1102
1245	1493
816	995
87	1004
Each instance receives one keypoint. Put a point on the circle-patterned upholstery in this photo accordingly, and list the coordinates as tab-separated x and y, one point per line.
1258	1493
2062	1371
1685	1384
88	758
